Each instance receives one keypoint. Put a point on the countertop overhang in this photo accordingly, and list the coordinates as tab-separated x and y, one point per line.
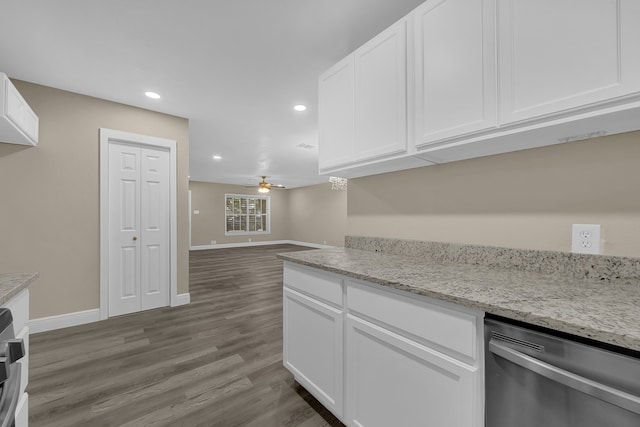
608	312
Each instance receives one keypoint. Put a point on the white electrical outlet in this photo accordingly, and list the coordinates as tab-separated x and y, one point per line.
585	239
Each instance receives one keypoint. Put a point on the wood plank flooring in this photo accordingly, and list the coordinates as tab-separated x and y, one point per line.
214	362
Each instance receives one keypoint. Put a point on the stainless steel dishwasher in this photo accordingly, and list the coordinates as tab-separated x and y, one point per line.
535	379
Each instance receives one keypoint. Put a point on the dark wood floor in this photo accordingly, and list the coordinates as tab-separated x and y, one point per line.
215	362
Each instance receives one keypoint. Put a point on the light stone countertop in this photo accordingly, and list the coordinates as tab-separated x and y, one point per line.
12	283
604	311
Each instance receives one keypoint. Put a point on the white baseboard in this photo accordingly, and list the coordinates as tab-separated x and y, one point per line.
60	321
182	299
50	323
265	243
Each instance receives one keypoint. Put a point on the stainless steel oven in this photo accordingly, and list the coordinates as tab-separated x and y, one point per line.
11	350
537	378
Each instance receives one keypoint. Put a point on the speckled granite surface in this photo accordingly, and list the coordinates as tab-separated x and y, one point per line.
580	266
12	283
607	312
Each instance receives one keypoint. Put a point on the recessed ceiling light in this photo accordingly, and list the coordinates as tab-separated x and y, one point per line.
299	107
152	95
216	157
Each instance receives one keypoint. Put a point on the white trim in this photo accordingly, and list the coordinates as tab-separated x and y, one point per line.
106	136
181	299
265	243
60	321
50	323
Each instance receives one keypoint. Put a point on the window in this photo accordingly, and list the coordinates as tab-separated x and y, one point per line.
246	214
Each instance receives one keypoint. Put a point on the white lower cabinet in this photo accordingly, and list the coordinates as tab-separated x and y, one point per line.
19	306
380	357
22	411
393	381
313	342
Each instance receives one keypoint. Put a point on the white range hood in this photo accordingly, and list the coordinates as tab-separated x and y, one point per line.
18	123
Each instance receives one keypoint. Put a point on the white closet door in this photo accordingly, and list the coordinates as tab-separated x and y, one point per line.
154	211
138	228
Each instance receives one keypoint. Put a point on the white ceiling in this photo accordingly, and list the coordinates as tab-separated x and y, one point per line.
234	68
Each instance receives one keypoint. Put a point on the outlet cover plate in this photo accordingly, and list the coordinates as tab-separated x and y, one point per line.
585	239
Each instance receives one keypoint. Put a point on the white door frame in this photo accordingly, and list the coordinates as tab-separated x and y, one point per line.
106	137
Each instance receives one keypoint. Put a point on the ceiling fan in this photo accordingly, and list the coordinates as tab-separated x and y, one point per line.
264	186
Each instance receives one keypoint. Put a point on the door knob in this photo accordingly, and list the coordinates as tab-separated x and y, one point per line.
135	238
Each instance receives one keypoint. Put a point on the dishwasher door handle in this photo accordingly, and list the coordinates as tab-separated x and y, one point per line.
569	379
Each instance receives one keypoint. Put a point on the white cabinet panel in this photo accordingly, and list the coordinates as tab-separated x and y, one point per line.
455	69
336	115
392	381
313	348
557	55
320	285
450	331
22	411
19	306
18	123
381	94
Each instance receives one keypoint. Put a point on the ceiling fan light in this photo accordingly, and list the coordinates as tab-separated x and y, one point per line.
263	190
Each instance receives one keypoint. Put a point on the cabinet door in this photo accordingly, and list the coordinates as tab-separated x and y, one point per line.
455	69
393	381
556	55
313	348
381	94
336	115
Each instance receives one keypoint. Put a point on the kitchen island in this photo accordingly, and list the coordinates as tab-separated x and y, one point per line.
600	307
386	331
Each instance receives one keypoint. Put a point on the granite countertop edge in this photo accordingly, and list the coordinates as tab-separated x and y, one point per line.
553	312
11	284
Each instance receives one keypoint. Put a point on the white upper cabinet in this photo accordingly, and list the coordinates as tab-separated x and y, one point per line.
455	72
561	55
336	115
381	94
18	122
363	103
471	78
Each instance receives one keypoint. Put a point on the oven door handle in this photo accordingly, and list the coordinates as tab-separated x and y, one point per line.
569	379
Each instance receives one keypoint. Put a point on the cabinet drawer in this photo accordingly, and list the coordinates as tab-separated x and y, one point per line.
19	306
449	331
319	284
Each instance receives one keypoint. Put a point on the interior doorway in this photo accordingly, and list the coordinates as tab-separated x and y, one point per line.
137	223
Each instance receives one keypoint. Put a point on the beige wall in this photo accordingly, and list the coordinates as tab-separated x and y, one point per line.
312	214
209	224
49	214
318	215
526	199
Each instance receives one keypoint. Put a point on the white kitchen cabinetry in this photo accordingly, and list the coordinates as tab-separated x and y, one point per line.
336	115
408	360
381	94
363	108
18	123
19	306
411	361
559	55
455	72
313	334
486	77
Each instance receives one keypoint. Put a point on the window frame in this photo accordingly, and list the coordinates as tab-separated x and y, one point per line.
246	232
